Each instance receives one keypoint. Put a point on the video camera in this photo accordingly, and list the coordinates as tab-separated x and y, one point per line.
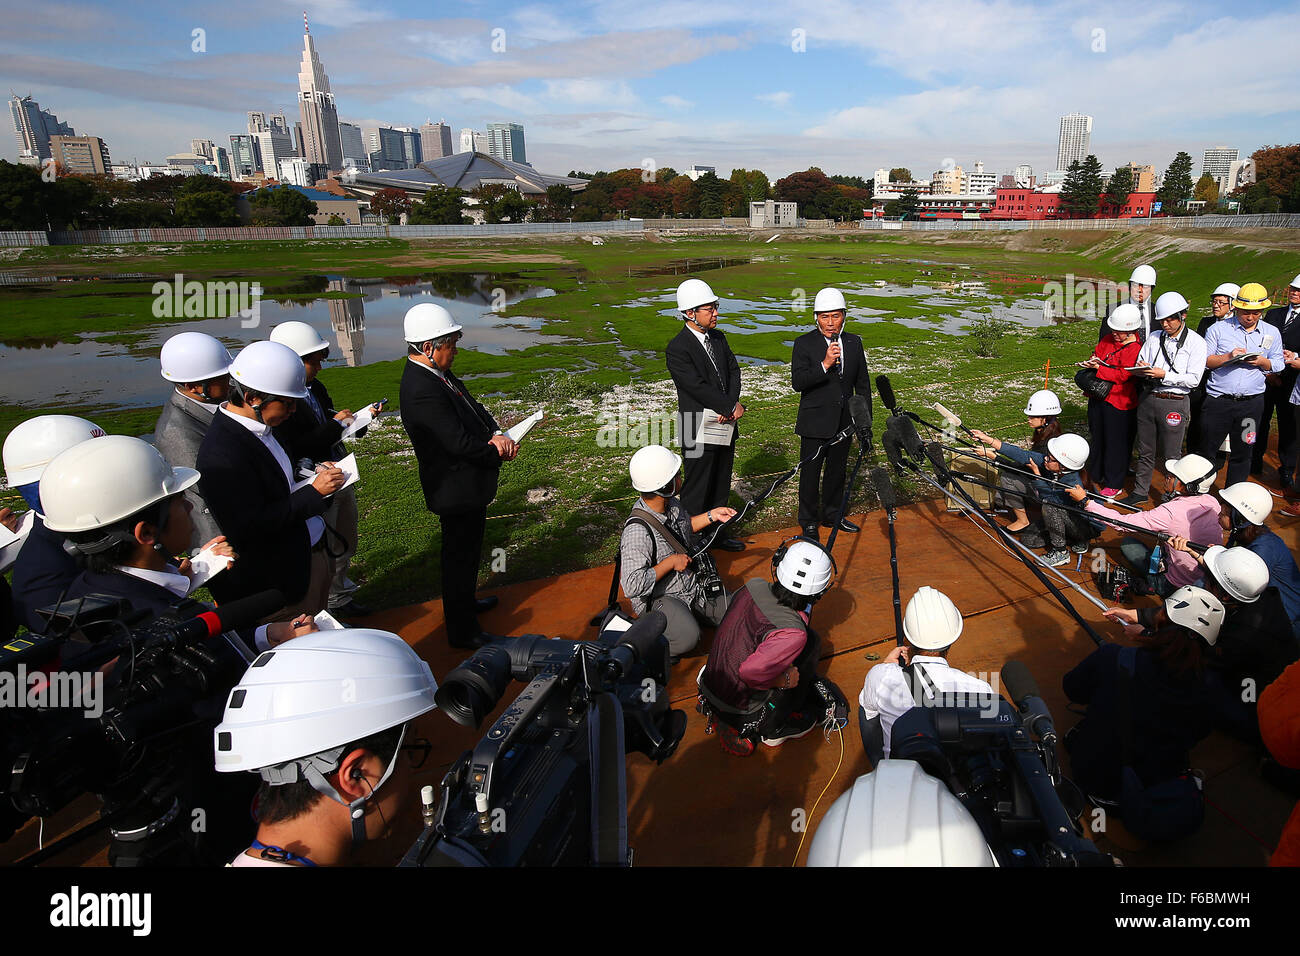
545	786
142	736
1002	767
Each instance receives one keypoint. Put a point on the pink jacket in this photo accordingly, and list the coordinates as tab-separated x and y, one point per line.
773	657
1195	518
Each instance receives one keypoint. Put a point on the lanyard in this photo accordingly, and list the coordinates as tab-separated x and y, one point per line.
279	854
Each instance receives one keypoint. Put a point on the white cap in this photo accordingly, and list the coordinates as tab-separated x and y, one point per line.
1169	303
1253	502
805	569
270	368
1240	571
1126	317
1070	450
1197	609
96	484
694	293
1230	289
1043	403
829	300
193	357
427	321
1295	283
931	621
652	467
318	692
1143	275
33	444
300	337
1195	472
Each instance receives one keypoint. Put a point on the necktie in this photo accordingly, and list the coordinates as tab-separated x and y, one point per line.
1295	310
713	358
315	406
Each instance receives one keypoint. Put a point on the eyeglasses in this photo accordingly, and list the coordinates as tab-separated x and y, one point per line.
711	308
417	752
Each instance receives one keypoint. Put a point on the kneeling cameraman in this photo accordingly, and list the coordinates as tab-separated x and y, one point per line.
324	756
656	572
760	681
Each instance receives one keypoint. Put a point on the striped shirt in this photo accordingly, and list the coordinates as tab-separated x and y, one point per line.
639	553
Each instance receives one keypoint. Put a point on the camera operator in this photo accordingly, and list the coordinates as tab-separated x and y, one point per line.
124	510
42	568
1165	710
656	572
323	757
763	662
915	674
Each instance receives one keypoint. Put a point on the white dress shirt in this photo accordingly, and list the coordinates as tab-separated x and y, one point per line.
1188	360
885	693
178	584
315	524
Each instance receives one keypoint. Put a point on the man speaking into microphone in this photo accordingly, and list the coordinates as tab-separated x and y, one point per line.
827	367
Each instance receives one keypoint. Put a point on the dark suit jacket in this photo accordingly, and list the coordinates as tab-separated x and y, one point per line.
303	436
458	467
1290	340
1152	325
698	385
42	570
265	524
824	395
177	436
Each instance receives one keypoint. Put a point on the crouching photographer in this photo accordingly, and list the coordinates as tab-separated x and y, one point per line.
761	683
655	566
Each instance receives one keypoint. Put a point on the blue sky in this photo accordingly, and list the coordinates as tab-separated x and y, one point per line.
601	85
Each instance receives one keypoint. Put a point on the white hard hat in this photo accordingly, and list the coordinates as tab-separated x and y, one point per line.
1295	283
829	300
694	293
1125	318
1230	289
426	321
318	692
193	357
898	815
1197	609
1195	472
653	467
1240	572
1043	403
95	484
1070	450
300	337
1253	502
270	368
1169	303
931	621
33	444
1143	275
805	569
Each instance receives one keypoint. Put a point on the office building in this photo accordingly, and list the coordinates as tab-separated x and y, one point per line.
411	151
384	147
1216	162
86	155
1075	140
435	140
274	143
696	171
473	141
320	118
1240	173
244	158
1144	177
979	183
202	147
1024	175
354	149
300	171
947	182
34	127
506	141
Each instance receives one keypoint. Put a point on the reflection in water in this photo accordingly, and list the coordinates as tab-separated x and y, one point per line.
348	320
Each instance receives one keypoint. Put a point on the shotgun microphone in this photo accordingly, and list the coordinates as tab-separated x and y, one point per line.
884	489
860	412
886	393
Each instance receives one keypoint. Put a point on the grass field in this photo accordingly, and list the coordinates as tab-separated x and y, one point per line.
561	502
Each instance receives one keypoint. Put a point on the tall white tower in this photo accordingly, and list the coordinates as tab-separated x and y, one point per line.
1075	140
320	119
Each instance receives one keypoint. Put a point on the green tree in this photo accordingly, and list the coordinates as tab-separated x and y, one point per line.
751	185
900	174
22	202
389	204
1207	190
335	220
208	208
1176	187
439	207
558	204
906	206
281	206
514	207
1119	188
713	196
1081	192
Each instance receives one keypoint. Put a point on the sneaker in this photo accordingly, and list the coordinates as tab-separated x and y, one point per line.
797	725
1079	547
733	743
1109	492
1054	559
1291	510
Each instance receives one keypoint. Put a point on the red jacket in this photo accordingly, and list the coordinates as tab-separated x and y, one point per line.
1124	394
1279	725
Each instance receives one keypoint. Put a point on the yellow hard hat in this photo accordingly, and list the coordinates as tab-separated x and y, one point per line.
1252	296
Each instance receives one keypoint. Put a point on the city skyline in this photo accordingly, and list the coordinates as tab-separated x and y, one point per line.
725	87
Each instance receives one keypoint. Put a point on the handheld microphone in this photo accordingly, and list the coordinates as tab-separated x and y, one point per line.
1025	694
884	489
860	412
886	393
837	366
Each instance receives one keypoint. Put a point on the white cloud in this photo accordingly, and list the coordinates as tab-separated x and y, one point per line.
588	91
779	99
676	102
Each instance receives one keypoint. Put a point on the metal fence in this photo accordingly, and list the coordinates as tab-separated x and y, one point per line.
24	239
1262	221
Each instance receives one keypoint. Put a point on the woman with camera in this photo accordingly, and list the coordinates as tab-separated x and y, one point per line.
1111	419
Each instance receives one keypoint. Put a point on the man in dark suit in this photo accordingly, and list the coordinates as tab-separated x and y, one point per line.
1277	394
707	376
460	449
247	480
827	366
1141	289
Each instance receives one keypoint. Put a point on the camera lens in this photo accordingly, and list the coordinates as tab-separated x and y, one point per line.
471	691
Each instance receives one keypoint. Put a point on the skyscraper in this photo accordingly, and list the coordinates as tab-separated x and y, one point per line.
320	119
274	144
244	156
81	154
354	150
1217	161
435	140
411	151
473	141
35	126
1075	140
506	141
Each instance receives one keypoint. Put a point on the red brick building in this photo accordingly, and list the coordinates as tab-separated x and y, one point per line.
1022	203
